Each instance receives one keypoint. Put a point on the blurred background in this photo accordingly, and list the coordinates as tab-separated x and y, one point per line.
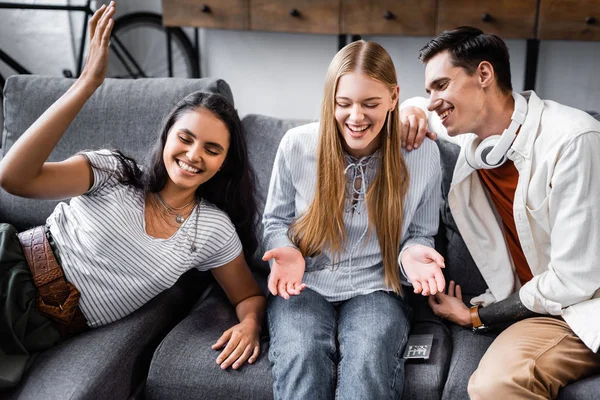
282	74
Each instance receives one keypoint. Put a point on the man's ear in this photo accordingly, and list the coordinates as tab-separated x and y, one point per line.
486	74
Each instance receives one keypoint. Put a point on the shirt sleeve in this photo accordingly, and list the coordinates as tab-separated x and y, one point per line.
573	274
280	207
105	166
425	222
227	246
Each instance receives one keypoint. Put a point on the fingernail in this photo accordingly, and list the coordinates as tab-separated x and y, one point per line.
408	147
416	146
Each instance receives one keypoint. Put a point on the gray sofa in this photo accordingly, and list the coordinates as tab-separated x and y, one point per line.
166	344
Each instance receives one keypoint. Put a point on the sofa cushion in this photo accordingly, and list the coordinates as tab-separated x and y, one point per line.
123	114
184	365
585	389
468	348
264	134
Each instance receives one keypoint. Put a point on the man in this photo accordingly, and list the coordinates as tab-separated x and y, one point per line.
525	197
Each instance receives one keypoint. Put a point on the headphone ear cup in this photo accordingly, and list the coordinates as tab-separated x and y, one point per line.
477	151
470	150
484	148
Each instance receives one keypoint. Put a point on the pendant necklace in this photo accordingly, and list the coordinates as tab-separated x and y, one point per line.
179	216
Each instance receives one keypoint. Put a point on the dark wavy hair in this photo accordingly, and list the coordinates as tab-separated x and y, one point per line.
468	47
232	189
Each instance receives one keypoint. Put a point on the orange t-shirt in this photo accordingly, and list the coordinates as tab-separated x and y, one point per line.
501	183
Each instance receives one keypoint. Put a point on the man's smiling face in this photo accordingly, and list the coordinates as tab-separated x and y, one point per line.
455	96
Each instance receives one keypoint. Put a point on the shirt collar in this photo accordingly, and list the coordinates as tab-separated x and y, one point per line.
523	144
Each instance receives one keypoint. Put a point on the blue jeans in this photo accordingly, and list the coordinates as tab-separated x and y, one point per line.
347	350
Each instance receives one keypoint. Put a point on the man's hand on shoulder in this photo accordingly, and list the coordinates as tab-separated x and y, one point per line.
414	127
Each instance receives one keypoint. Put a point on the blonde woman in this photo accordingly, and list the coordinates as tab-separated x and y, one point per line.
344	229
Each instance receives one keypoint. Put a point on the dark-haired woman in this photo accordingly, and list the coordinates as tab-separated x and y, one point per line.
128	233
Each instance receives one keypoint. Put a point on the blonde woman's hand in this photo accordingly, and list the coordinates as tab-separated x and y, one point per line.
241	343
100	28
414	127
423	266
287	271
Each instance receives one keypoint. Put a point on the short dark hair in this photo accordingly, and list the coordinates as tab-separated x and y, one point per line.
468	47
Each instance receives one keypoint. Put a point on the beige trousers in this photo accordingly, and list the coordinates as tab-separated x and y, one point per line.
532	359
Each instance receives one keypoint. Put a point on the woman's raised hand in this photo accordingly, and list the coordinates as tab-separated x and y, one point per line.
423	266
287	271
100	28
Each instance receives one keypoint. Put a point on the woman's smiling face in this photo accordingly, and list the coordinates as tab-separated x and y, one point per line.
361	107
195	149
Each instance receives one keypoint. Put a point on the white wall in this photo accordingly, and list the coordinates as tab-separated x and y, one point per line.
282	74
569	72
39	40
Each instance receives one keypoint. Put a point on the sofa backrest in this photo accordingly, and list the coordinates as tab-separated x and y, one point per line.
264	134
460	266
123	114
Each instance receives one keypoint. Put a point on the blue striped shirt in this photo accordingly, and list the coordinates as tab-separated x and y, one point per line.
359	269
106	253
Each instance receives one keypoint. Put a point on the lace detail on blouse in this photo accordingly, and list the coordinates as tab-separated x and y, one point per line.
357	184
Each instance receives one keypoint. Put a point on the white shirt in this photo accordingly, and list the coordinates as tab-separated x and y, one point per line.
556	211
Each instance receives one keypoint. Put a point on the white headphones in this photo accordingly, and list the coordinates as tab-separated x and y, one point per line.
491	152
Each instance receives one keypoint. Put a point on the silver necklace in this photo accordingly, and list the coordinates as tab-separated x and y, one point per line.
179	217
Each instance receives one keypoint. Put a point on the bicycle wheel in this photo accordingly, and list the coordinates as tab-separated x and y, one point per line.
140	49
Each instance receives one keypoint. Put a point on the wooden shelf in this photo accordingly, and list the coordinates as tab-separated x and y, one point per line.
509	19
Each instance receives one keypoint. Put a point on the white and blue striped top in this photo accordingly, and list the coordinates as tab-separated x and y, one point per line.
360	268
106	253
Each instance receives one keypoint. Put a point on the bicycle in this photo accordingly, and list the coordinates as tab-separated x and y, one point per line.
134	42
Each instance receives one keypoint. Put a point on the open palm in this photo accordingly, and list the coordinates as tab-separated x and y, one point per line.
423	265
287	271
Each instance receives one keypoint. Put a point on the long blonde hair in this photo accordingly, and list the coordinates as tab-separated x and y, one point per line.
323	223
